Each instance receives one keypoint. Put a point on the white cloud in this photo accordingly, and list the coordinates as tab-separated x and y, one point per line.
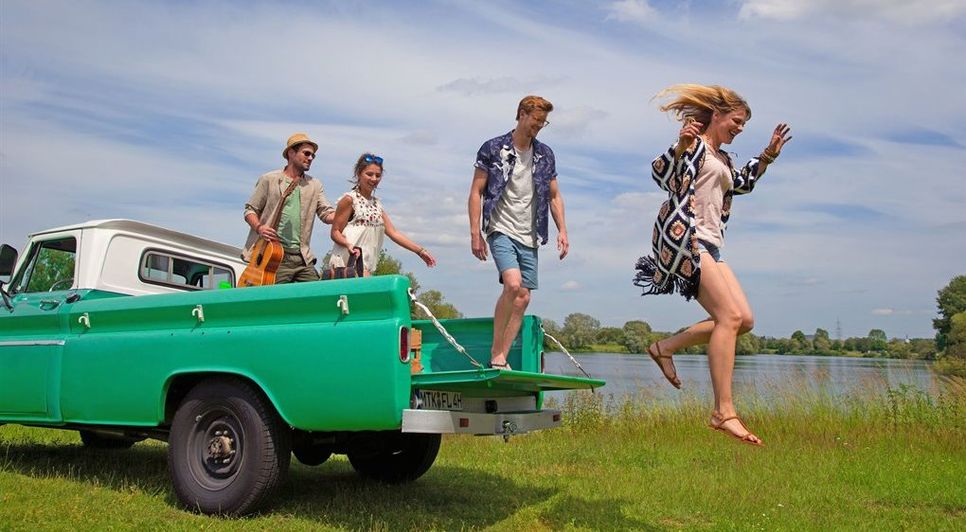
474	86
639	11
570	285
893	312
897	11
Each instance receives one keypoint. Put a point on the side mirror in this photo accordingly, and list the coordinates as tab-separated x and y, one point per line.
8	258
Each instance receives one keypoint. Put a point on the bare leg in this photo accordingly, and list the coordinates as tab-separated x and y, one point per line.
700	332
508	315
716	296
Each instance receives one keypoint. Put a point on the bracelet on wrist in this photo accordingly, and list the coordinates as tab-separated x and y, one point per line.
421	250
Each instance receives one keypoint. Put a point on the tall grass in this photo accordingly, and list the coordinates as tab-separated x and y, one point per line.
880	459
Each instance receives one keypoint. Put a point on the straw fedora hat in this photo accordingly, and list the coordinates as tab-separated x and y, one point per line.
295	140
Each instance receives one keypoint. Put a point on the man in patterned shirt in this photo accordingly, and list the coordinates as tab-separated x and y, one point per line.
514	185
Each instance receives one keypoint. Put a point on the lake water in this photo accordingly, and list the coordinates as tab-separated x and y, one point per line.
763	377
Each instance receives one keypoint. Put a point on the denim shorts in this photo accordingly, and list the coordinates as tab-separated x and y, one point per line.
710	249
509	254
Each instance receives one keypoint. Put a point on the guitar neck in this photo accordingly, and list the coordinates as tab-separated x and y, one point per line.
277	217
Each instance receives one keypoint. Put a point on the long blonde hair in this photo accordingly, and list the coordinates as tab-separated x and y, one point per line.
699	102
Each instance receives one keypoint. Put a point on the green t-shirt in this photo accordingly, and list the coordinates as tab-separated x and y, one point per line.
290	224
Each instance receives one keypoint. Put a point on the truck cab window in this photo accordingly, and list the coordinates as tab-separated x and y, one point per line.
185	273
50	266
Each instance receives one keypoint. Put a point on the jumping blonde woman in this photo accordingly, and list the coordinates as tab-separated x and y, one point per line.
701	180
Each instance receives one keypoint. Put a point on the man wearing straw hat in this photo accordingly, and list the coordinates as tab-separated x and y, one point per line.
294	230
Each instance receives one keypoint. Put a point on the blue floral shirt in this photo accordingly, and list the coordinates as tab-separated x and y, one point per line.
497	157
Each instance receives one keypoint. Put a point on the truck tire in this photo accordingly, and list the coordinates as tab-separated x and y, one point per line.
228	449
312	455
395	457
97	440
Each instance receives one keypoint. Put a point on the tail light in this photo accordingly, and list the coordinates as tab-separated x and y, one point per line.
404	344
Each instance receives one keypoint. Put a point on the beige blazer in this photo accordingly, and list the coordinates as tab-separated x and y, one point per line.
267	198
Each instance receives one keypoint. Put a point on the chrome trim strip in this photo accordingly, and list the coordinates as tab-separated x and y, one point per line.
31	342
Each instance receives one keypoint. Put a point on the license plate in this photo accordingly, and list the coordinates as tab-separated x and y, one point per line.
437	400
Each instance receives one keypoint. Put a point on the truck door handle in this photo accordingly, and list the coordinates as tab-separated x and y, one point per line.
49	304
343	303
199	313
85	320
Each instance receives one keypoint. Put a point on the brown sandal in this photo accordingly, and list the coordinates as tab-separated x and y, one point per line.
673	376
745	438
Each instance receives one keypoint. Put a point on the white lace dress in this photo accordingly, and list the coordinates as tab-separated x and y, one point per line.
364	230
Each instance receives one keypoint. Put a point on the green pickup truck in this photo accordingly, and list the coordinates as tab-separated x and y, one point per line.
123	331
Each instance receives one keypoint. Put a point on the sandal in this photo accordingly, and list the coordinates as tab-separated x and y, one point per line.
747	437
671	377
497	365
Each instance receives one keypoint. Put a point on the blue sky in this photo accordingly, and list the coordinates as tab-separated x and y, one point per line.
168	112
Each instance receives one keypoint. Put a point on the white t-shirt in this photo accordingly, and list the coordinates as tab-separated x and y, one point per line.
710	186
513	213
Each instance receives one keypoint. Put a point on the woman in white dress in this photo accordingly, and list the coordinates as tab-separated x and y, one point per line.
360	222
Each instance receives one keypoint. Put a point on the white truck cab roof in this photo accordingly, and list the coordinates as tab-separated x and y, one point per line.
136	258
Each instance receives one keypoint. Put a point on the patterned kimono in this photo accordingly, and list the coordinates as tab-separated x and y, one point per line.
675	265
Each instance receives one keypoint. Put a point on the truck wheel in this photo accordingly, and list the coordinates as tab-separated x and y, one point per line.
97	440
395	457
312	455
228	449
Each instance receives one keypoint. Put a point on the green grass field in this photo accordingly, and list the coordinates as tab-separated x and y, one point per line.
884	461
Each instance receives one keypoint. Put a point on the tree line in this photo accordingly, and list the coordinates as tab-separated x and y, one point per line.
582	332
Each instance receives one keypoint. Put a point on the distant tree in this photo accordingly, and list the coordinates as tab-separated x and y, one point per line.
636	336
551	328
610	335
877	340
433	299
951	301
821	342
861	344
924	348
389	265
800	344
579	330
956	338
898	348
748	344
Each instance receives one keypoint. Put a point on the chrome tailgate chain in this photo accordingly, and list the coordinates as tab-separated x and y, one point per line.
442	330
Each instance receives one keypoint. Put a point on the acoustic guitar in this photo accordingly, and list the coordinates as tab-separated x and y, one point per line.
266	254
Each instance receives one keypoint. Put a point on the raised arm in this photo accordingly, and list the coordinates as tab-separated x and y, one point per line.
745	180
403	241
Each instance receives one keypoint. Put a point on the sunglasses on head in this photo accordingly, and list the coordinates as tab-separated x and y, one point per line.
370	158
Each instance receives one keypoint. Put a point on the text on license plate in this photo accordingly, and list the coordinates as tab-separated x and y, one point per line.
437	400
